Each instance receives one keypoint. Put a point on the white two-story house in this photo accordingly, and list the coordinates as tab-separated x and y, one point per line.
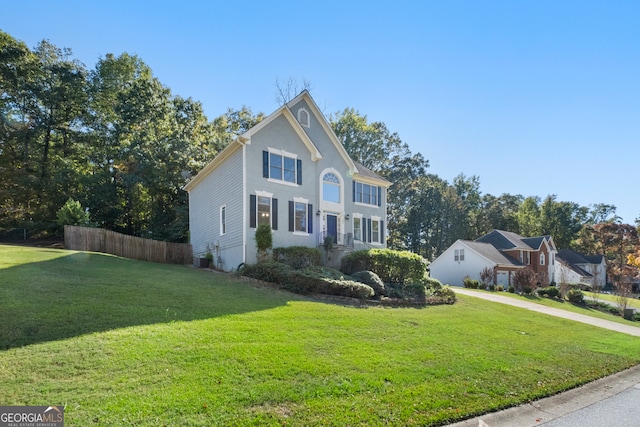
291	172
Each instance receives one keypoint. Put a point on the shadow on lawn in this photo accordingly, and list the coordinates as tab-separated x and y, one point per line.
83	293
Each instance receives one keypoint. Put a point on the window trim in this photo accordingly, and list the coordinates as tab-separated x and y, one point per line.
297	165
306	123
375	192
353	227
338	185
223	220
458	255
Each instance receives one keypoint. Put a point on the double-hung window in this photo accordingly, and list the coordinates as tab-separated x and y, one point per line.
367	194
357	228
264	210
458	255
375	230
300	219
278	165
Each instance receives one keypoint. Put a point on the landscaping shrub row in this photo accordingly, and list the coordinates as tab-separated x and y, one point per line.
308	280
296	269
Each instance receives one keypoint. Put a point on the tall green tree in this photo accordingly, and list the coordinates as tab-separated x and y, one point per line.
529	217
562	220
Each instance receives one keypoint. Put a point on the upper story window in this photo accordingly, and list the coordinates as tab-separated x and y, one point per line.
542	259
304	118
367	194
330	188
278	165
458	255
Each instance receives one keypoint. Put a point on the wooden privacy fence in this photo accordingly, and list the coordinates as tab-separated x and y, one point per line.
111	242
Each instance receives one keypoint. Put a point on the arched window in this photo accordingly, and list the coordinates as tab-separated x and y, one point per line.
330	188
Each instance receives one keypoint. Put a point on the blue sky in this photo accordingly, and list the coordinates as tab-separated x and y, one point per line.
534	97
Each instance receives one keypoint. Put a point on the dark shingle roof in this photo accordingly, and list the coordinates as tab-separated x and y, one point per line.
571	256
491	253
507	240
364	171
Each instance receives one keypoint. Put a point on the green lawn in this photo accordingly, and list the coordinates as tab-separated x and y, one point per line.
609	298
123	342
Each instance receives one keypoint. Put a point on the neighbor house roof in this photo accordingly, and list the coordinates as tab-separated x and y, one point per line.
507	240
490	252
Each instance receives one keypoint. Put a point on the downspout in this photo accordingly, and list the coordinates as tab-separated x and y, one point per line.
244	203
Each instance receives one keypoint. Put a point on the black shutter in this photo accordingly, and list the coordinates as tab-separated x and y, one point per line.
274	214
310	218
299	171
265	164
381	231
379	196
368	229
291	216
354	191
252	211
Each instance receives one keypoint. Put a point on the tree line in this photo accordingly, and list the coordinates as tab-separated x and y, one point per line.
116	140
113	138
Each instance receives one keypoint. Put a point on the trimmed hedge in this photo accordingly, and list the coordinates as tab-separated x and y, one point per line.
310	280
391	266
270	271
314	280
298	256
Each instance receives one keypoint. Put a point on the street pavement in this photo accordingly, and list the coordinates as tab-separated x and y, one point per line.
613	401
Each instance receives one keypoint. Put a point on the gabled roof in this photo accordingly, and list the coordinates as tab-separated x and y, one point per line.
575	261
491	253
354	167
574	257
368	173
507	240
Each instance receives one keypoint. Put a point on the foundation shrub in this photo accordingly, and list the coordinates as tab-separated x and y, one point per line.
322	280
269	271
298	257
372	279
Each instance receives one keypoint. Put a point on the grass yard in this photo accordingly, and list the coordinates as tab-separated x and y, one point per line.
631	302
123	342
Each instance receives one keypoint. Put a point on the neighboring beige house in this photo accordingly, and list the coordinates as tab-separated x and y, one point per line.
289	171
574	267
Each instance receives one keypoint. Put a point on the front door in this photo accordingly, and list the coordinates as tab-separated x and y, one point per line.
332	227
